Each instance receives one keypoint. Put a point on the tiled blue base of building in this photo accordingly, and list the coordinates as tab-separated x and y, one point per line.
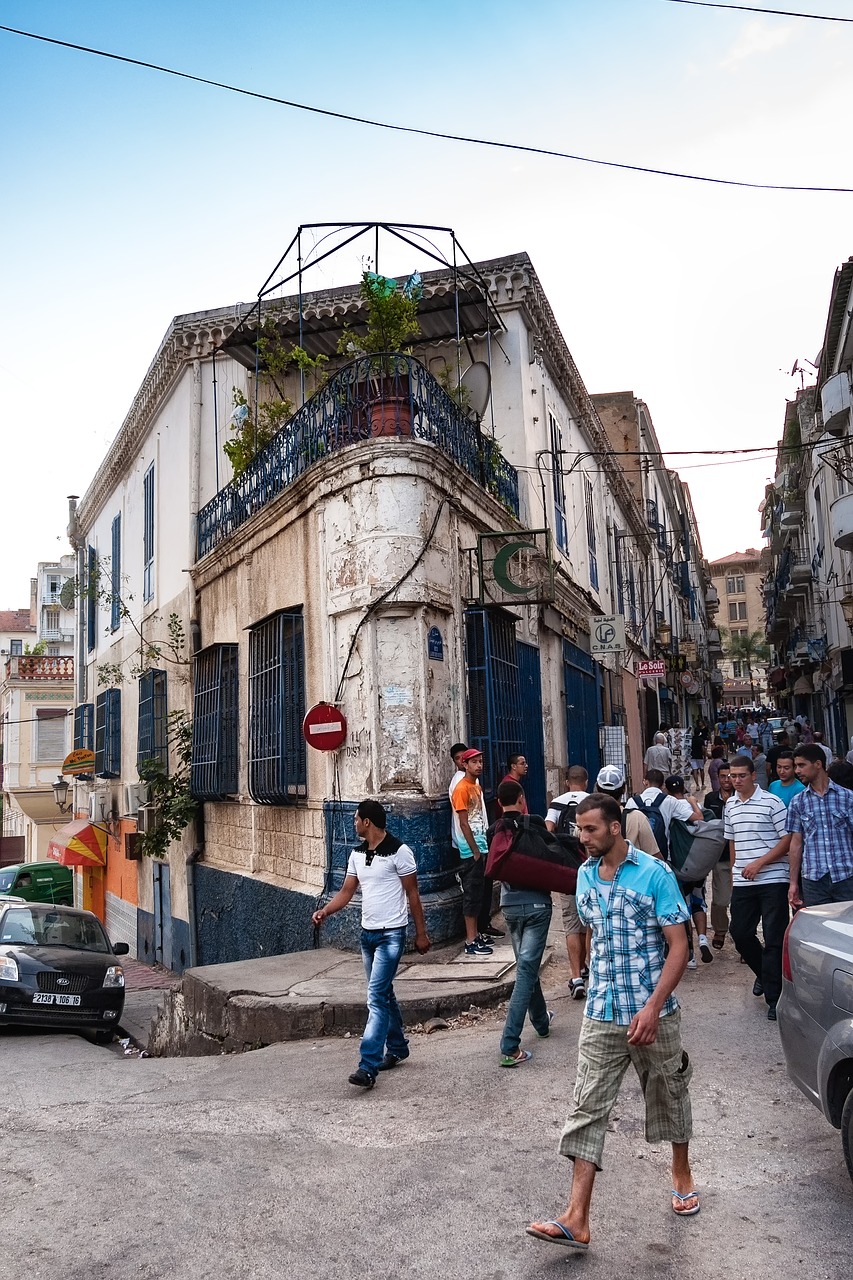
425	827
240	918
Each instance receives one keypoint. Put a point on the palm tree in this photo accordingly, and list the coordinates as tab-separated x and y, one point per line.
750	649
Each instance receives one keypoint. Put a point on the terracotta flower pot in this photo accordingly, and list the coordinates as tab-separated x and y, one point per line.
391	416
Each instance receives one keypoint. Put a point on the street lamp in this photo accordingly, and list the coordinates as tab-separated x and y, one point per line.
60	794
846	603
664	635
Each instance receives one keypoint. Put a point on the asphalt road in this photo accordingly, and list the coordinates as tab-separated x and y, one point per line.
271	1165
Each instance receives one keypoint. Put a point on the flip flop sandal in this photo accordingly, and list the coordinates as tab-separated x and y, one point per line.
508	1060
690	1195
567	1240
718	943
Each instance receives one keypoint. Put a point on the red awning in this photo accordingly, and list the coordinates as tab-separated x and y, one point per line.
79	844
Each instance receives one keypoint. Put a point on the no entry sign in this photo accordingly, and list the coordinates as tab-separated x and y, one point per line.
325	727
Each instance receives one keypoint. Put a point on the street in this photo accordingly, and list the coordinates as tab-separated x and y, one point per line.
269	1164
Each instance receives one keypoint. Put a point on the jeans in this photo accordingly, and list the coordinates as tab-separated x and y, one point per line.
381	950
767	903
817	892
528	930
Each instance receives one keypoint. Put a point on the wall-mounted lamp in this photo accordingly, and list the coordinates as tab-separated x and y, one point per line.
846	603
60	794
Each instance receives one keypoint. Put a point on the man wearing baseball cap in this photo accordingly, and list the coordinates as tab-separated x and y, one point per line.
611	782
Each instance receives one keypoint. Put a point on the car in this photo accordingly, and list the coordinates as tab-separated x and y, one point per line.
777	725
815	1012
58	969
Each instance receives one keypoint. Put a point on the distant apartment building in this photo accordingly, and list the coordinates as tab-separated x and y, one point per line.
36	700
53	606
738	580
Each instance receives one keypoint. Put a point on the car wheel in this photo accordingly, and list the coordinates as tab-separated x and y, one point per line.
104	1035
847	1132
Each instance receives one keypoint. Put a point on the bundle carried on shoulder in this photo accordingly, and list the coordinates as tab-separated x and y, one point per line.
524	854
695	848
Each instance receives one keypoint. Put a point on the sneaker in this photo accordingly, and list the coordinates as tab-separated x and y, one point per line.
771	1013
544	1035
478	948
363	1079
758	987
577	989
705	950
390	1061
691	963
492	932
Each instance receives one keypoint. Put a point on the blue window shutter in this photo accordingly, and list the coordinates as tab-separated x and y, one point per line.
115	575
148	535
92	600
152	727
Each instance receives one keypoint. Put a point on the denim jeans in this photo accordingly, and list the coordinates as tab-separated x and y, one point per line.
381	950
528	931
818	892
767	903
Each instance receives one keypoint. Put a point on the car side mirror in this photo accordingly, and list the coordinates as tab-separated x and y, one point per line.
120	949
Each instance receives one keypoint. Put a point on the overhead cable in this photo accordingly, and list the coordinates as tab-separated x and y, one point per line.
426	133
751	8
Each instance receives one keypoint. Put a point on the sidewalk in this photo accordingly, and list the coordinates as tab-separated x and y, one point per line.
145	989
230	1008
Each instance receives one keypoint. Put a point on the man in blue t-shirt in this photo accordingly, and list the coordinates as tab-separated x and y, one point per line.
636	911
787	784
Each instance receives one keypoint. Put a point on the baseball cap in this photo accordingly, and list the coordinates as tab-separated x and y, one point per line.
674	782
610	777
470	753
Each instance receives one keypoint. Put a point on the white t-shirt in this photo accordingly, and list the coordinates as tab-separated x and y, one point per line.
755	826
457	777
568	797
383	898
671	808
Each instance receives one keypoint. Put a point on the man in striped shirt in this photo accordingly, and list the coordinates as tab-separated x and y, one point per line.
820	819
755	824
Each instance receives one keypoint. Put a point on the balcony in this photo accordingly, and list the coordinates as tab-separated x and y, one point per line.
57	670
402	402
841	521
652	514
835	402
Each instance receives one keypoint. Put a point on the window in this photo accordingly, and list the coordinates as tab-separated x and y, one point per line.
590	532
50	734
108	734
16	648
738	671
50	624
148	534
559	483
736	632
91	599
215	701
495	720
277	764
84	727
152	728
737	611
735	585
115	576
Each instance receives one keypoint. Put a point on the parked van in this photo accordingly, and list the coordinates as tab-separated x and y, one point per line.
39	882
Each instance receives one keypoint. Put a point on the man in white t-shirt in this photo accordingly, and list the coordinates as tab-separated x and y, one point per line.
686	809
385	870
559	818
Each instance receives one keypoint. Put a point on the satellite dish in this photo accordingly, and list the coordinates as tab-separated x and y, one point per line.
478	382
68	593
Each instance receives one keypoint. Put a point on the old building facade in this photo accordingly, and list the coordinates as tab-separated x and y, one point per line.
738	579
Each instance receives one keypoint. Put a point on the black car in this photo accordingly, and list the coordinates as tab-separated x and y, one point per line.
58	969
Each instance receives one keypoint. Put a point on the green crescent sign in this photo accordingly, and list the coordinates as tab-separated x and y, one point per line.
501	568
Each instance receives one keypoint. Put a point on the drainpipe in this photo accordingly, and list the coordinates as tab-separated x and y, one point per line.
195	639
78	545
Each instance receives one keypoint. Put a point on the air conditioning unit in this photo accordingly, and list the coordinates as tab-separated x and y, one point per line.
135	794
147	819
100	809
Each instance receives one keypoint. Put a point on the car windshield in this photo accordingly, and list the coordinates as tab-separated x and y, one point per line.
23	927
6	880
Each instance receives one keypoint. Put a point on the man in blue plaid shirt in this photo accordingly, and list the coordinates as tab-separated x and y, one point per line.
820	820
637	913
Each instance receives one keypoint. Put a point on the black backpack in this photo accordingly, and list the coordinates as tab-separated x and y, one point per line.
567	821
656	822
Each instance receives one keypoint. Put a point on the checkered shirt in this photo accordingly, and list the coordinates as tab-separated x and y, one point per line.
627	953
826	825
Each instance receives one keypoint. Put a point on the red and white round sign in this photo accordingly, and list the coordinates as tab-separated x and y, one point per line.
325	727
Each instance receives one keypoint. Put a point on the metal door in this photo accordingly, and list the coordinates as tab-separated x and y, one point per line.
533	743
162	914
494	707
582	682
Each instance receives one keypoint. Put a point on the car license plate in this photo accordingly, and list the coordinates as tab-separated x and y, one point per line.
41	998
67	999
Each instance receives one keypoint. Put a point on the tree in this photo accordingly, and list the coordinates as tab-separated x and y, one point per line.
750	649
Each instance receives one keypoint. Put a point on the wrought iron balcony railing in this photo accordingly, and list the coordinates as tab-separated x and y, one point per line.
374	396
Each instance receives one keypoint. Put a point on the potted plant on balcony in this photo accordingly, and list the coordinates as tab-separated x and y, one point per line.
392	325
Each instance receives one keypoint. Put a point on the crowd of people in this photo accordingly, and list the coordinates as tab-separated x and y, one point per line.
781	813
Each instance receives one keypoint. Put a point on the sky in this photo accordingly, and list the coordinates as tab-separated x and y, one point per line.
132	197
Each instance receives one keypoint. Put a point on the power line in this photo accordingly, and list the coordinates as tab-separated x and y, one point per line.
750	8
425	133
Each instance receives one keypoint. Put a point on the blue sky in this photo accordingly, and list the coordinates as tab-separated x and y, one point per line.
132	197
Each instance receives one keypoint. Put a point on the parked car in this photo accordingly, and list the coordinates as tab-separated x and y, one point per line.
815	1012
58	969
777	724
39	882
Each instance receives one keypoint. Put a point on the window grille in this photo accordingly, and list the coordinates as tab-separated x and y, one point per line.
277	760
215	723
495	724
152	730
108	734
